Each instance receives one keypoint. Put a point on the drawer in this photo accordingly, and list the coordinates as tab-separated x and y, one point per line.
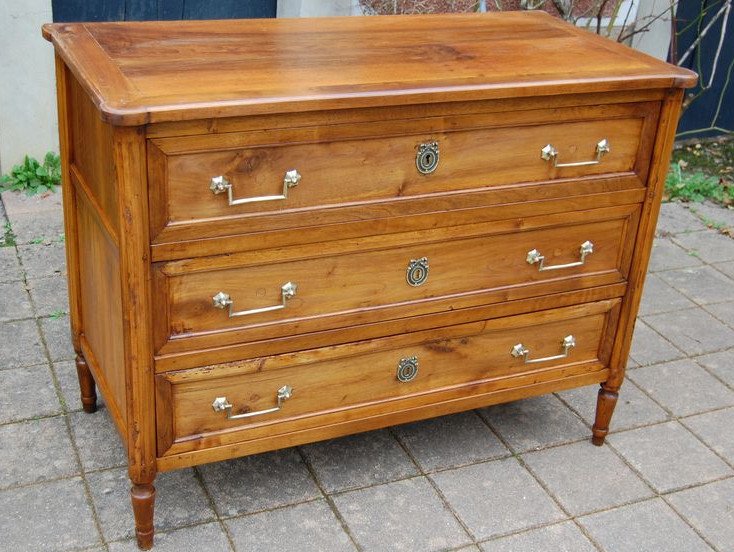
274	395
247	182
260	295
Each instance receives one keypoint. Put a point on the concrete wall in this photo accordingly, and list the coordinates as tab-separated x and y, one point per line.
27	85
656	40
317	8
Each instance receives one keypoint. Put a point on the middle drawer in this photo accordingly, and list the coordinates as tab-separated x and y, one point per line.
251	296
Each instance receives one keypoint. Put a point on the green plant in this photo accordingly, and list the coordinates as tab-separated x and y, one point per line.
694	186
33	177
55	315
7	238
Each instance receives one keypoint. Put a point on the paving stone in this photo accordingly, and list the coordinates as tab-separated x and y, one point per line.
723	311
27	393
31	228
683	387
658	296
49	295
310	526
534	423
727	268
259	482
179	501
598	479
17	203
710	509
675	219
450	441
36	450
471	548
404	515
51	517
97	439
650	526
14	303
715	213
633	409
10	270
648	347
41	260
715	429
496	497
667	255
199	538
359	460
57	333
69	385
668	456
561	537
694	331
720	364
710	246
20	344
703	284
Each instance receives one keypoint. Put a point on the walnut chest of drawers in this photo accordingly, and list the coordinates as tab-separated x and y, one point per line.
285	231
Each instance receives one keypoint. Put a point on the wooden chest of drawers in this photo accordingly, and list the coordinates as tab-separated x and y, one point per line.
285	231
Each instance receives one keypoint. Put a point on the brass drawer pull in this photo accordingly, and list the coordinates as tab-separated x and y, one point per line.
549	153
220	184
534	256
221	404
520	350
222	301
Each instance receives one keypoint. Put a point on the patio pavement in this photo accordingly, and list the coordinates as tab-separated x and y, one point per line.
516	477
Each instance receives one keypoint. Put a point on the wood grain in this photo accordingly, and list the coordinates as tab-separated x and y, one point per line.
451	358
345	288
146	72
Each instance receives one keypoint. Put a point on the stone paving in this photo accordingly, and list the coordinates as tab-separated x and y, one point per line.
515	477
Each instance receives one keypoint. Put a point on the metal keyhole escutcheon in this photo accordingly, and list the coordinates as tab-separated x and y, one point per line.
407	369
426	159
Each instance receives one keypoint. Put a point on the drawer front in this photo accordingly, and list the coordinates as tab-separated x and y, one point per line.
297	171
539	255
272	395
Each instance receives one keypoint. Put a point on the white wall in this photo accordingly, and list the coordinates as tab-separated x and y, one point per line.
656	40
28	122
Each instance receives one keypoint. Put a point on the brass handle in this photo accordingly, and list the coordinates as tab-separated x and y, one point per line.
221	404
223	300
520	350
220	184
549	153
534	256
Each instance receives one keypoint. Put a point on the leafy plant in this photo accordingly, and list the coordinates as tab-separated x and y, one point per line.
57	314
694	186
33	177
7	237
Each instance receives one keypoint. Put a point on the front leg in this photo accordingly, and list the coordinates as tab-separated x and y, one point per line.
87	387
143	500
605	403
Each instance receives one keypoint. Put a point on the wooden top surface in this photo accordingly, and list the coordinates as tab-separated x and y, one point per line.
140	72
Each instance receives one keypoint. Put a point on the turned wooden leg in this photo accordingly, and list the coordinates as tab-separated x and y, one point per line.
86	385
143	499
605	404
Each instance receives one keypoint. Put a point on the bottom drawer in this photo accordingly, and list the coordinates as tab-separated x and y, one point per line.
252	399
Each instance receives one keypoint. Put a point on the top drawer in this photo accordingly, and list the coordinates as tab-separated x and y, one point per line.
265	180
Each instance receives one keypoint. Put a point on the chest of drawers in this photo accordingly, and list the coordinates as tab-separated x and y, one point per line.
285	231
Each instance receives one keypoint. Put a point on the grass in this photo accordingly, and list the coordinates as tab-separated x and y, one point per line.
702	171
